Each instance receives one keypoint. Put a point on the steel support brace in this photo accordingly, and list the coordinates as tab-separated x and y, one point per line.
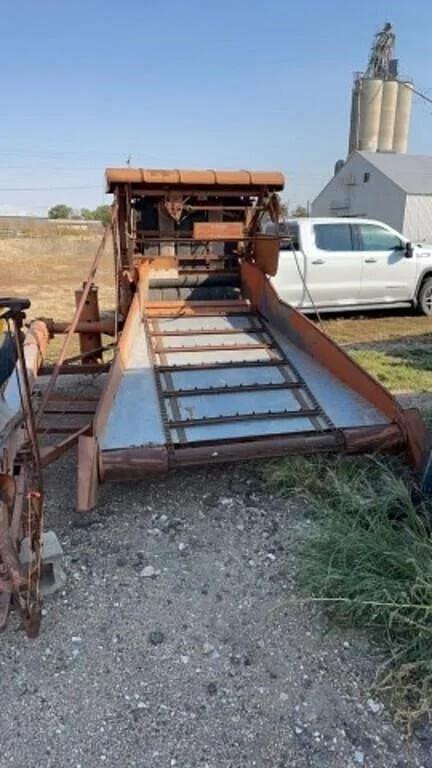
88	478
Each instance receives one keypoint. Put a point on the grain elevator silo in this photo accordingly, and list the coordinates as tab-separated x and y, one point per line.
381	102
370	102
403	115
390	89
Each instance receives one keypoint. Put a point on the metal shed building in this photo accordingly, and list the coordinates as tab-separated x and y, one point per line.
393	188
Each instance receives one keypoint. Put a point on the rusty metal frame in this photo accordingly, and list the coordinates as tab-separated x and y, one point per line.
21	486
174	192
87	287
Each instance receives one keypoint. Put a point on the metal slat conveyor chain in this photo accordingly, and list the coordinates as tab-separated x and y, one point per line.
224	377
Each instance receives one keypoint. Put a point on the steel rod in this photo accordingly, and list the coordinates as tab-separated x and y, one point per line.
222	366
305	413
66	410
27	403
53	452
72	327
218	207
61	398
176	315
209	332
231	389
214	348
85	326
74	370
65	430
175	238
85	355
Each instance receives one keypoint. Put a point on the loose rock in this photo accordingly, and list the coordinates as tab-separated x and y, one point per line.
156	637
149	572
375	706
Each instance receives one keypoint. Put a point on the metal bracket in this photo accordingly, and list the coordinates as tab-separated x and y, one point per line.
53	577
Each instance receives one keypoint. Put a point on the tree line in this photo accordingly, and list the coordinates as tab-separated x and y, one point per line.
62	211
103	212
294	213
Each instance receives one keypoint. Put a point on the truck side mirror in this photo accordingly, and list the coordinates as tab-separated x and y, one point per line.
409	251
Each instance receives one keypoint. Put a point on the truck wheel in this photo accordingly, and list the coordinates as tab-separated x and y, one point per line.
425	297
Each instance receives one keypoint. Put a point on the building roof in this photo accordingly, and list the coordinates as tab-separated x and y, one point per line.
412	173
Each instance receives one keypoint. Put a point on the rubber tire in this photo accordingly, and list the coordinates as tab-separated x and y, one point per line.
424	301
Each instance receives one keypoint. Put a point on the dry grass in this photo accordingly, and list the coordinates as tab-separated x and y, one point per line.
405	327
48	270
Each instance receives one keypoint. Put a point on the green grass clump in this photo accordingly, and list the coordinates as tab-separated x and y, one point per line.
369	561
295	473
407	369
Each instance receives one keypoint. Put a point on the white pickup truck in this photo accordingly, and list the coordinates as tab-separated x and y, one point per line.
335	264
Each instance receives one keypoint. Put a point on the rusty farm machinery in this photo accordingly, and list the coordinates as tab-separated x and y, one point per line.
21	492
206	363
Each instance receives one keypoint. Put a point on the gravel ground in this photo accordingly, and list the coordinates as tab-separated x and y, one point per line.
178	641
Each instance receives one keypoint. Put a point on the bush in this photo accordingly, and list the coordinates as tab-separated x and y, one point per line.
60	211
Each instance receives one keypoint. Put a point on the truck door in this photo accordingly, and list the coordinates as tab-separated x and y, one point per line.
333	268
387	274
287	281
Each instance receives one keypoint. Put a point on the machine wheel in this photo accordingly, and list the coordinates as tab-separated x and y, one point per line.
424	302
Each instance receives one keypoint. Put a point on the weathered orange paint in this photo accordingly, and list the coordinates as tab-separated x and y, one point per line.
145	177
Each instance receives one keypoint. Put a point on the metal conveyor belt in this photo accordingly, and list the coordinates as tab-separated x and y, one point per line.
223	377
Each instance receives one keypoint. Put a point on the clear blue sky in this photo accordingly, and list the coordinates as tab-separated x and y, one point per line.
226	83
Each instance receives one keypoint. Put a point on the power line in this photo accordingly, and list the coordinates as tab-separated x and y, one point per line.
59	152
46	189
46	167
422	95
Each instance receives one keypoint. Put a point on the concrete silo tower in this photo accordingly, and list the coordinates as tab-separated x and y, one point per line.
381	103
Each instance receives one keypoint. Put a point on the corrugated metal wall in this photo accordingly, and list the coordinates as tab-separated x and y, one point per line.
348	194
418	218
